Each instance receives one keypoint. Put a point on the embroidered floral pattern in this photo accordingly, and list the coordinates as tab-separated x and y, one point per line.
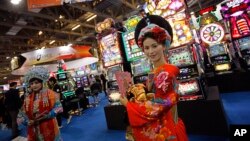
161	81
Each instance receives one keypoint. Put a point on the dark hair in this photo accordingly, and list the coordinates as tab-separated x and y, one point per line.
13	84
153	19
53	79
34	79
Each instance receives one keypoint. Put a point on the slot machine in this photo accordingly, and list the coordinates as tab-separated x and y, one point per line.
237	18
140	66
192	85
212	34
67	88
109	45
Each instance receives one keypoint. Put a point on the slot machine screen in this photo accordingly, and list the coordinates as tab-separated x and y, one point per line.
217	49
61	76
140	66
110	50
244	43
189	87
111	72
180	57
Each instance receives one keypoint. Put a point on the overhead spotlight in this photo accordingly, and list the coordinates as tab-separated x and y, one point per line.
40	32
5	77
15	2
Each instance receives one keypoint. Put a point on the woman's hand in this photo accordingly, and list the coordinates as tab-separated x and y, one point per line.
123	100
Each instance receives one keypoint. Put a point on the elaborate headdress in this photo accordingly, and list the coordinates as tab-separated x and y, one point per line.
158	26
37	72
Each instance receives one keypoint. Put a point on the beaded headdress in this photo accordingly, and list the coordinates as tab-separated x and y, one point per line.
37	72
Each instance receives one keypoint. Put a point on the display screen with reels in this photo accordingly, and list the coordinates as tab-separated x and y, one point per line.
180	57
61	76
244	43
189	87
217	49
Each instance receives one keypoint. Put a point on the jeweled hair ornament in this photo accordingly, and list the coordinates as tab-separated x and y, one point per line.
37	72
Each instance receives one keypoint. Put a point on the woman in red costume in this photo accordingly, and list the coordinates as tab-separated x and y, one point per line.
41	107
156	119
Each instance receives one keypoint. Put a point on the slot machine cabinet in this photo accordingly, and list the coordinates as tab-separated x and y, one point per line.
66	86
218	53
220	57
191	82
236	15
243	46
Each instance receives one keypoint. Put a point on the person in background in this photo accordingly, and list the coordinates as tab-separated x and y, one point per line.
13	103
52	83
95	88
41	107
104	83
156	119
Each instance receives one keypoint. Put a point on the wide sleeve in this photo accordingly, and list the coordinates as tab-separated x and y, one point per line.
57	106
165	98
142	113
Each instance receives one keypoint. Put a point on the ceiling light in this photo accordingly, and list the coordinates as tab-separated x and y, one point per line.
5	77
61	16
44	47
15	2
52	42
90	18
40	33
8	57
74	28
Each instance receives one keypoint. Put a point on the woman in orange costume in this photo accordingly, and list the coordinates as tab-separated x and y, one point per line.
156	119
41	107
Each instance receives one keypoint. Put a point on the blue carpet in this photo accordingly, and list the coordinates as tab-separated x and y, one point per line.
236	106
92	125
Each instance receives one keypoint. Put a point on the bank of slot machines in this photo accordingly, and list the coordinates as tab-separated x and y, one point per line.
191	84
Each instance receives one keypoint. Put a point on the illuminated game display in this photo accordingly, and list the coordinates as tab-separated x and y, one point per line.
182	53
132	51
174	12
236	14
109	45
212	33
217	49
186	59
139	65
180	57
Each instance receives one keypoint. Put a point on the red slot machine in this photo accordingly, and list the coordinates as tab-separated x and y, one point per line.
237	17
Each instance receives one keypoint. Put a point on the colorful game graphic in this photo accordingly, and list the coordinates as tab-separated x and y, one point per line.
180	57
189	87
212	33
133	52
110	50
244	43
174	12
217	49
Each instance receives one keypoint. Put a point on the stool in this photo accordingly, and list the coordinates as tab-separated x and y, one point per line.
74	101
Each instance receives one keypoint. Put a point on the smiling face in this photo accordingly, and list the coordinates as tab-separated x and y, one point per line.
154	51
36	86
